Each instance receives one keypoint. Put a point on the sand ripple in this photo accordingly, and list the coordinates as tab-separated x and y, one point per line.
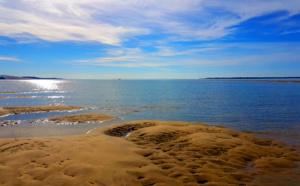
198	154
155	153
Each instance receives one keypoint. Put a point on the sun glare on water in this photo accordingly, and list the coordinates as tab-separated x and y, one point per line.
46	85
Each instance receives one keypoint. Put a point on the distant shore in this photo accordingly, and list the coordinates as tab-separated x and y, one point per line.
253	78
8	77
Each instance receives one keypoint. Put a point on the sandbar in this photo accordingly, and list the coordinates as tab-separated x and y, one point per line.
80	118
16	97
11	92
21	110
153	153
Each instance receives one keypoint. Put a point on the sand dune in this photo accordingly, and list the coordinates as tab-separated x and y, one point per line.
155	153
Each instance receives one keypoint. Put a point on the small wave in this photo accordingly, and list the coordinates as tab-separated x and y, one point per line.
18	97
161	108
35	92
9	122
89	131
56	97
3	116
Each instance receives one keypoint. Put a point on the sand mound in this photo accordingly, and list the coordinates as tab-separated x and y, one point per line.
87	117
198	154
22	110
155	153
123	130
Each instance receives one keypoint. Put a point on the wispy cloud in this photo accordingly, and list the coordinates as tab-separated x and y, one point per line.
291	32
205	55
60	21
114	21
9	59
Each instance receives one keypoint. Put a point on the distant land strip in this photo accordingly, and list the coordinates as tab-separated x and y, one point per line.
253	78
8	77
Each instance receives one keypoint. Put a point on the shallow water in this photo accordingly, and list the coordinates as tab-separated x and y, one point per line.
243	105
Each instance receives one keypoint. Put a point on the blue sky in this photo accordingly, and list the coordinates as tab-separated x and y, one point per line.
149	39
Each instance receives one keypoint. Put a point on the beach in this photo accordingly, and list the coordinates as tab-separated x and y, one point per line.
149	153
149	93
201	133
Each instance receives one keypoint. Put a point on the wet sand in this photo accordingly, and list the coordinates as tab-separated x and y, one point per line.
154	153
80	118
21	110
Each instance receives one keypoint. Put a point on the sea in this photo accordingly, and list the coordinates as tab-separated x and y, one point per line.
268	109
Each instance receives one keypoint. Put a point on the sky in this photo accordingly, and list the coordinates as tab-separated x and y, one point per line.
149	39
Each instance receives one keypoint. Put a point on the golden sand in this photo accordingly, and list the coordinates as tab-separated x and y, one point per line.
3	112
93	117
155	153
21	110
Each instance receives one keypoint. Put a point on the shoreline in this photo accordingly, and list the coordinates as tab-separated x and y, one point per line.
35	126
155	153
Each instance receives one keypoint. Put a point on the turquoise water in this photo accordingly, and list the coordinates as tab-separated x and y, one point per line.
243	105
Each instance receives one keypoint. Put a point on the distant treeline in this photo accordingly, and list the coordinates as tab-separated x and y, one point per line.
253	78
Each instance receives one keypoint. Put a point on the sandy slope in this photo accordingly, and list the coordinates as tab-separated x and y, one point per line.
155	153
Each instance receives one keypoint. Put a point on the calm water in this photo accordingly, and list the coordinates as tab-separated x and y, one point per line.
242	105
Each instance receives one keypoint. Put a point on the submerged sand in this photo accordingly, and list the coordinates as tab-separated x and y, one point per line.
155	153
21	110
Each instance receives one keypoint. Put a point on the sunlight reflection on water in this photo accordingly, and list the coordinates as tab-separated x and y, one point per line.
45	84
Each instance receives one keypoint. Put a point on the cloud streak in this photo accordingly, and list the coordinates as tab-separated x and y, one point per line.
199	56
9	59
115	21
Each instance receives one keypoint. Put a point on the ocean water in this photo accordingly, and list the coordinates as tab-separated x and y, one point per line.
266	107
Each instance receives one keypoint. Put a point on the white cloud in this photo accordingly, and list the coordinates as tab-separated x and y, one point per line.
55	21
184	50
114	21
9	59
